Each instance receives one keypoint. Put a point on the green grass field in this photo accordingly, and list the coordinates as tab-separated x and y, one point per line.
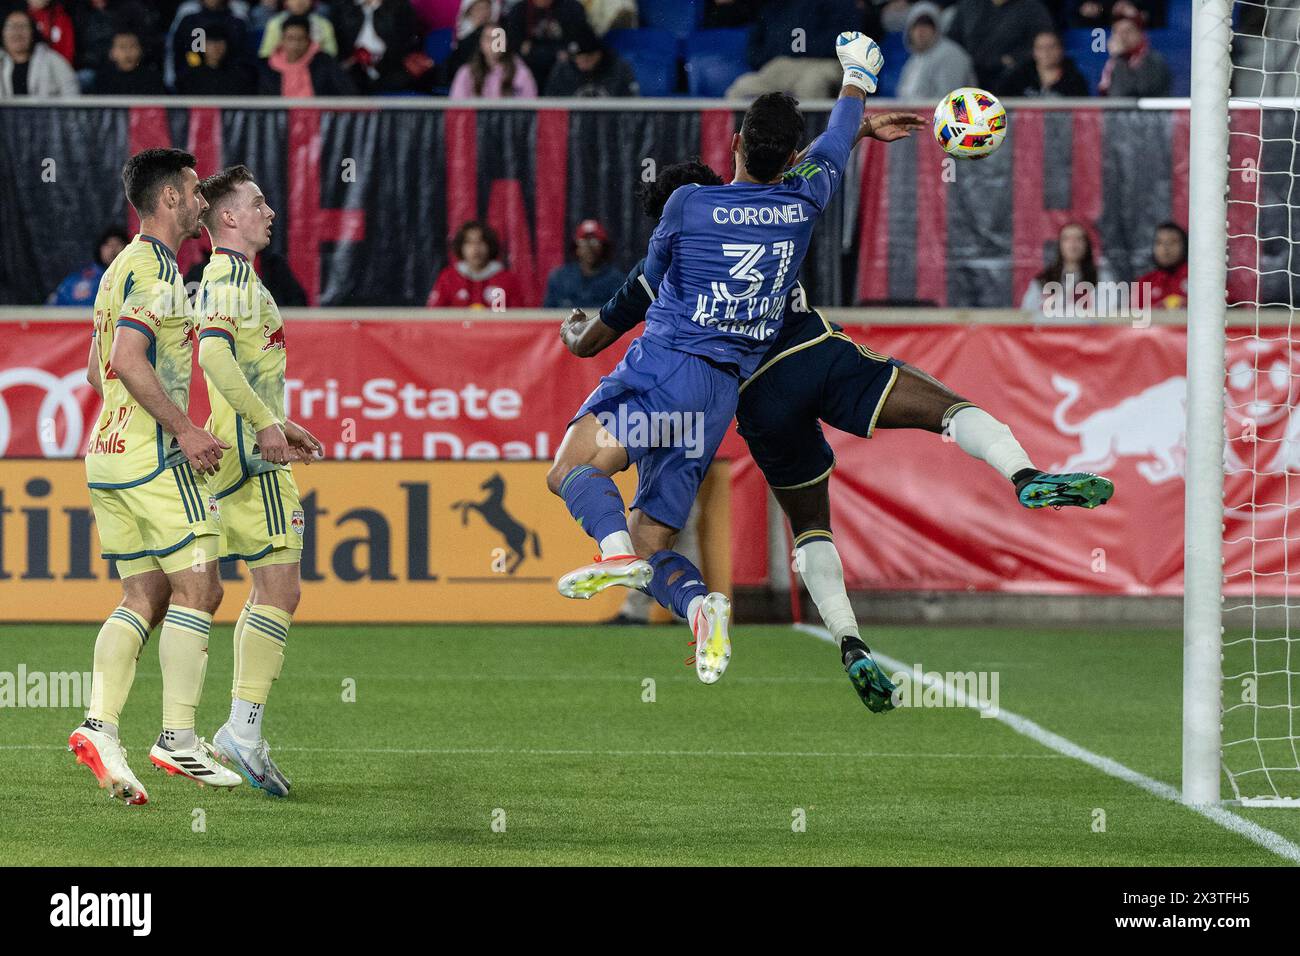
548	724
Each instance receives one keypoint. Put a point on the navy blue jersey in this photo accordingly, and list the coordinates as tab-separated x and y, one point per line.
724	260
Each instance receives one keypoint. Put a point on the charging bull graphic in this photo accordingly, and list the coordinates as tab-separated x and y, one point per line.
493	511
1148	425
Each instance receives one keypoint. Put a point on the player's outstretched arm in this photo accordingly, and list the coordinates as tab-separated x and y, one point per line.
586	336
130	361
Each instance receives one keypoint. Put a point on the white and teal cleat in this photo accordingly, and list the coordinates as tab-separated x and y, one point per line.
623	570
712	630
252	760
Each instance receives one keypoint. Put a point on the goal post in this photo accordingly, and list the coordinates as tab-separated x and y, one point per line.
1241	659
1206	343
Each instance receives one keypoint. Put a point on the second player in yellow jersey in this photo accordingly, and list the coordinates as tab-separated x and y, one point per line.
242	352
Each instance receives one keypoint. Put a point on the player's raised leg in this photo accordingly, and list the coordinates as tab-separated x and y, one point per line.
919	400
679	586
261	637
183	656
808	509
581	476
122	639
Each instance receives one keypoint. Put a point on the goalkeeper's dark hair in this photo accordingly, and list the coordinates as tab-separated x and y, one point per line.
147	172
773	129
654	195
219	187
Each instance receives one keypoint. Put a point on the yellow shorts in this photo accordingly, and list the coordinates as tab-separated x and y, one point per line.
262	520
160	524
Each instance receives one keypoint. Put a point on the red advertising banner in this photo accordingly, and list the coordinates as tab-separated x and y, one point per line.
911	510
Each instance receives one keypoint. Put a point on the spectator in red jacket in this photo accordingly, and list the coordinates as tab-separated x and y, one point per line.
55	26
477	279
1165	286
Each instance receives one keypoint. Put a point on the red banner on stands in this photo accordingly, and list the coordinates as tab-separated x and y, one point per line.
910	509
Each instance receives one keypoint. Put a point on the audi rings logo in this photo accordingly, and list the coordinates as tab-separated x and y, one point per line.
60	397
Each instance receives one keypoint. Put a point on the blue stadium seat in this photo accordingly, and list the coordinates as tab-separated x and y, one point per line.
678	17
709	75
437	45
895	51
1176	47
645	40
656	74
1178	16
1078	47
714	58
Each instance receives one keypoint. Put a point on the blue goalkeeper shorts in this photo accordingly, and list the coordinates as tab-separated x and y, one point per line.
670	410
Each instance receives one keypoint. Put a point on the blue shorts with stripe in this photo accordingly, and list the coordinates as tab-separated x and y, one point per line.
816	374
670	410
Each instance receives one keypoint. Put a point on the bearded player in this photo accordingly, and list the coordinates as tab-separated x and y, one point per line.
242	353
152	518
724	260
815	373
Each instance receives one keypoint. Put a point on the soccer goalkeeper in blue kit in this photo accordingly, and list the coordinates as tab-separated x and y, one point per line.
723	262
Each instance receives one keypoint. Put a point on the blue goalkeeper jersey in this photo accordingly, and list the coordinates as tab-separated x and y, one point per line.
724	259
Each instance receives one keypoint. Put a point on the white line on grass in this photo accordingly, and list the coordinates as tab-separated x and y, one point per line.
1273	842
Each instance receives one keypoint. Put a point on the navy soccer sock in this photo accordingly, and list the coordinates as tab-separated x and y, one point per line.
594	501
676	581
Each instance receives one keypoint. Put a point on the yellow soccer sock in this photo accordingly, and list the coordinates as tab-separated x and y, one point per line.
121	639
183	655
261	652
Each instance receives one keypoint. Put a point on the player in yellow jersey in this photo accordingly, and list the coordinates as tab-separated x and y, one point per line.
242	352
153	520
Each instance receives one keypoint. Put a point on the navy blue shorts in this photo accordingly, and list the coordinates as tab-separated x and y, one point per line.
826	377
670	410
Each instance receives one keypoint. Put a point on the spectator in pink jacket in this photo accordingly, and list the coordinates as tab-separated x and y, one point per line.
494	71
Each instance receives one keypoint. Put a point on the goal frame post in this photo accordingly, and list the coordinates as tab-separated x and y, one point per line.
1206	346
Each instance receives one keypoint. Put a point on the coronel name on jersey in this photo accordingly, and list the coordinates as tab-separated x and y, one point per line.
760	215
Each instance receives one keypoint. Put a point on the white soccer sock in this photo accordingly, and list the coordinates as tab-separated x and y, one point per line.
982	436
246	719
823	574
620	542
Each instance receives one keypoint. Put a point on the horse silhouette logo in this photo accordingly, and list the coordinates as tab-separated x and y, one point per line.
493	511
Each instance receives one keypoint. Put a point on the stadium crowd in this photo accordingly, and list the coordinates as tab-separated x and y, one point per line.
488	49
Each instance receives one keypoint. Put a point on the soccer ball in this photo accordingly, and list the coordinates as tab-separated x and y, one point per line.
970	123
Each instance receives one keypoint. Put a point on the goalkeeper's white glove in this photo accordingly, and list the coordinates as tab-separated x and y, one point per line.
861	58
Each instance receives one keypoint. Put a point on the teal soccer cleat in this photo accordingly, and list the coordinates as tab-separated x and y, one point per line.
1079	488
875	689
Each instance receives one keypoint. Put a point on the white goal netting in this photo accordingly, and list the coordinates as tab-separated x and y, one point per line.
1261	540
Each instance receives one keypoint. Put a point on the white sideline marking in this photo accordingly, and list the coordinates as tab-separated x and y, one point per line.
1273	842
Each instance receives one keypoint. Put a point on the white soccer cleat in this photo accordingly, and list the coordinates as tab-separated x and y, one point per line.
199	763
252	760
712	629
624	570
106	759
